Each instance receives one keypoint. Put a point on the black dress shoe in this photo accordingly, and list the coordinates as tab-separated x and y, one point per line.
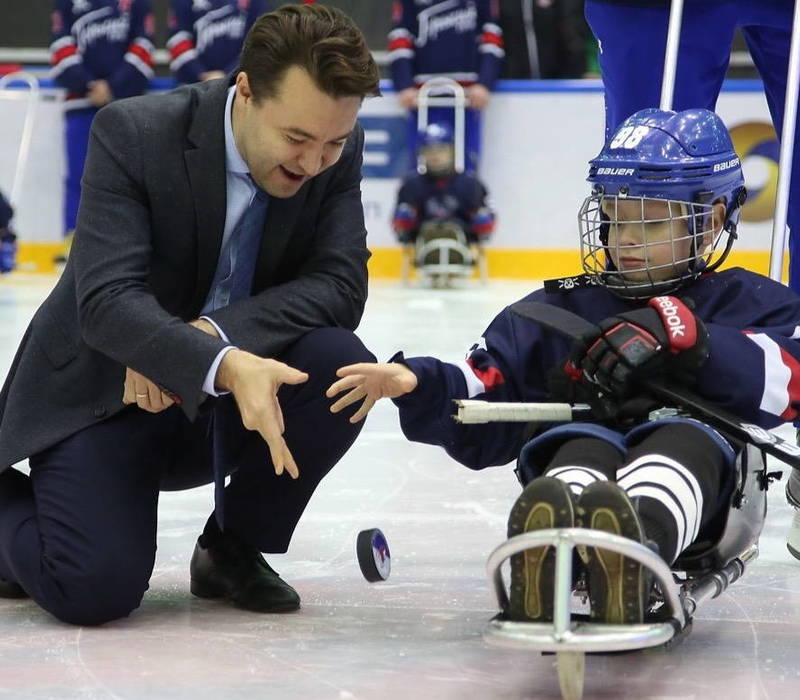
9	589
230	569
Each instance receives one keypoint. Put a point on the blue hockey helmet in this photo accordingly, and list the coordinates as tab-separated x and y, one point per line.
436	150
436	134
658	185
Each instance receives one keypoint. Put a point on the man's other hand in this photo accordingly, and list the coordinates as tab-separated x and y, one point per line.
145	394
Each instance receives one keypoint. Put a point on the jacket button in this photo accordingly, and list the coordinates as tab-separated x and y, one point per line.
99	410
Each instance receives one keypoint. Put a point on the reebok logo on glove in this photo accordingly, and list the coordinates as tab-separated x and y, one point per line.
678	321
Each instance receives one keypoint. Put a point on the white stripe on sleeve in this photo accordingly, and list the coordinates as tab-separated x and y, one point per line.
62	65
775	396
474	385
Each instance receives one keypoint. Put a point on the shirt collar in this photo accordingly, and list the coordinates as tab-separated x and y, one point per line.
234	163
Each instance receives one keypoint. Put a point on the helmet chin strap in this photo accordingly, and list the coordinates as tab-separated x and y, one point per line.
642	290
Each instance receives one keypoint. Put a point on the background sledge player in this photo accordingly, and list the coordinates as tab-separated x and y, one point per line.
644	239
440	194
205	36
457	39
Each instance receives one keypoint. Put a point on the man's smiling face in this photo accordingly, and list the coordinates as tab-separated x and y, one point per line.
293	136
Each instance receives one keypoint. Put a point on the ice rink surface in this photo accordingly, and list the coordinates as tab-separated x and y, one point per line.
418	635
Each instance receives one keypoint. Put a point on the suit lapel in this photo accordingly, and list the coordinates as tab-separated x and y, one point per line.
205	164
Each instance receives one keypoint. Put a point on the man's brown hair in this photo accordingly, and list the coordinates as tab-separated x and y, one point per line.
322	40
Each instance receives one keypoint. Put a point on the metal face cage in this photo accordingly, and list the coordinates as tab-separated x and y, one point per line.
644	256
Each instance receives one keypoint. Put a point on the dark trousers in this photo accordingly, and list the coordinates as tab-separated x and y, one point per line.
79	534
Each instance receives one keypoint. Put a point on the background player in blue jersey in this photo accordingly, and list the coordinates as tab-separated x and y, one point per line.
101	50
205	36
440	194
8	239
458	39
632	36
643	240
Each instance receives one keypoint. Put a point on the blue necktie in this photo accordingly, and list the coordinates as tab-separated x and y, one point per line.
233	280
237	260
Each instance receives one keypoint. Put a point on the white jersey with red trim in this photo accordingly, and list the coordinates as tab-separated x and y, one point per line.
102	39
753	369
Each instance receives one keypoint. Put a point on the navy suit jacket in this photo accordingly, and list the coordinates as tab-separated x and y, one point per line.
148	237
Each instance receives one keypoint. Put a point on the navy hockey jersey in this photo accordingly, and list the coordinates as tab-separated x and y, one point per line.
459	39
753	369
101	39
460	197
206	35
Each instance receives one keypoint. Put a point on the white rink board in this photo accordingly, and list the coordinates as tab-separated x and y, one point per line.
536	148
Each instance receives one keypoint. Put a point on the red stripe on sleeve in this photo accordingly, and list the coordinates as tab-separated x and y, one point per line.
142	53
490	377
489	38
794	385
181	47
63	53
400	43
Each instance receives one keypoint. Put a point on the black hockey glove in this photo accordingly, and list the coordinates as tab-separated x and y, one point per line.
665	337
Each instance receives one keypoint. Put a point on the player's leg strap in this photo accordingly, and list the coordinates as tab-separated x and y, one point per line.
575	452
679	472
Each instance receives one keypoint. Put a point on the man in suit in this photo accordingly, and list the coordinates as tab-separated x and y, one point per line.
217	275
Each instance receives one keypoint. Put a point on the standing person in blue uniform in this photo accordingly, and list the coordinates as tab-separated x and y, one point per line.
440	194
458	39
644	240
8	239
218	273
632	37
102	50
205	36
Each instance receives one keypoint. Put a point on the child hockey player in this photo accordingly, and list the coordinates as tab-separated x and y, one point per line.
667	190
438	196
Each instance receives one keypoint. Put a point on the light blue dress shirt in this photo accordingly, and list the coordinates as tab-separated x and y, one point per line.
240	190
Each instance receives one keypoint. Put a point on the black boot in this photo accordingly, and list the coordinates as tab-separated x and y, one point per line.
619	587
223	566
544	503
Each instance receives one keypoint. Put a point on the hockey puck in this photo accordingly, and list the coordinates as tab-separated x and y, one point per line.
374	559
